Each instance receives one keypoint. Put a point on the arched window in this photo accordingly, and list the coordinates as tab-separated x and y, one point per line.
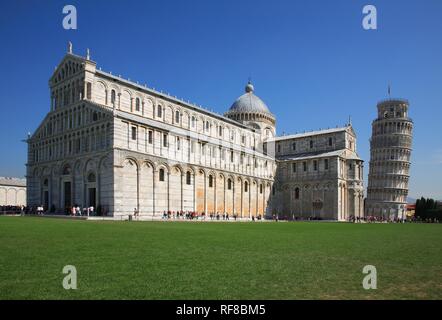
159	111
229	184
311	144
330	141
91	177
89	90
193	122
246	186
210	181
137	104
161	175
297	193
66	170
113	96
294	146
188	178
177	117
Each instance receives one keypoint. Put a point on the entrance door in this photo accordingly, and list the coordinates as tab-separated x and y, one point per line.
67	194
92	197
45	200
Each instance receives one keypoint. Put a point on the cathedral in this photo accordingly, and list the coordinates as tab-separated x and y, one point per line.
122	147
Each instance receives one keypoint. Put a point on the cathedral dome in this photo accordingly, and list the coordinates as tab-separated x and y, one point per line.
249	103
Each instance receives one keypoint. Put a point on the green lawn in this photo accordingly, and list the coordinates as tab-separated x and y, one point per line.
176	260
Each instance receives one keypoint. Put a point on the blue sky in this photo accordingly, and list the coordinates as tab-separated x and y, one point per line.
310	61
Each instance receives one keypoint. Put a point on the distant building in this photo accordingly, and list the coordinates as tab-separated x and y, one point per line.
319	175
411	210
12	191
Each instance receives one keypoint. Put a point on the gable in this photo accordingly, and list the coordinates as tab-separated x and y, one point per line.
351	130
69	66
47	127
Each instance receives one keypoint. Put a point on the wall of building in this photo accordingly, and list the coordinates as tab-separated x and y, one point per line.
318	175
58	185
152	186
12	195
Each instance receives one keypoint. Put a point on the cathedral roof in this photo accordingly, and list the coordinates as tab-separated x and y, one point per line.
321	154
249	103
170	98
311	133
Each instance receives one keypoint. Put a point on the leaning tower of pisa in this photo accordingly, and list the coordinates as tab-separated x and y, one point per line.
390	150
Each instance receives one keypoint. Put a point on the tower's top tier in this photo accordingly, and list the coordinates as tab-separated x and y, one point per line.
393	108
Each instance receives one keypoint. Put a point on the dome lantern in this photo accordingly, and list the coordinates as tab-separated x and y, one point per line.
250	107
249	87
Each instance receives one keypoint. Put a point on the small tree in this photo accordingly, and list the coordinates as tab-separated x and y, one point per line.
420	207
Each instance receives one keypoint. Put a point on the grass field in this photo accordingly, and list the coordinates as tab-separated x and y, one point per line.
176	260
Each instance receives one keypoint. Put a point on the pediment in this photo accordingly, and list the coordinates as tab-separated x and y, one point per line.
351	130
47	124
68	67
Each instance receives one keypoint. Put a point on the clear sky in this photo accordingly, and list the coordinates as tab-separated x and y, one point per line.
310	61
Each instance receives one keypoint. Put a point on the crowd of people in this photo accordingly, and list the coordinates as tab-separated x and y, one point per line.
192	215
76	211
375	219
38	210
378	219
41	210
296	218
427	220
12	209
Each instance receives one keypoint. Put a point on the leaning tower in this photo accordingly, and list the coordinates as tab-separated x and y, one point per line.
390	150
